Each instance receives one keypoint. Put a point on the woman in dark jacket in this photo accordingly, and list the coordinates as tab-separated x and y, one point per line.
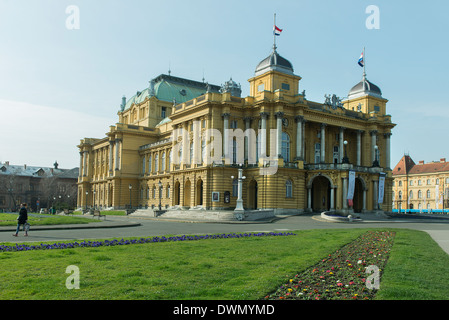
22	219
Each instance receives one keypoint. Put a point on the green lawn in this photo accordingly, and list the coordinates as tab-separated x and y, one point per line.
35	219
246	268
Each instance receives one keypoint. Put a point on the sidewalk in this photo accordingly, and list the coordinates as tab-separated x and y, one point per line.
92	225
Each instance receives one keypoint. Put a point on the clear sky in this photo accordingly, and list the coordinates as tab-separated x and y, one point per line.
59	85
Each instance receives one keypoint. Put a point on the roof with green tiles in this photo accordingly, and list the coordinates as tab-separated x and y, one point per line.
169	88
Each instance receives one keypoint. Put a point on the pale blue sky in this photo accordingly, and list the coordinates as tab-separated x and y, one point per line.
55	83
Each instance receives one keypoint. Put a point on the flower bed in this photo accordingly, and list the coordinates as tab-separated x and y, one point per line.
341	275
69	245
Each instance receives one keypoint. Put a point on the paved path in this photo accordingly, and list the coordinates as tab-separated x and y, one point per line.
118	227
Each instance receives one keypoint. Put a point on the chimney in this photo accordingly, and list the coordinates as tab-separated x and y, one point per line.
421	162
6	163
25	166
442	160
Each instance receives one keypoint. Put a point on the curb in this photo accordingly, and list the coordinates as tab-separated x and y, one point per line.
74	226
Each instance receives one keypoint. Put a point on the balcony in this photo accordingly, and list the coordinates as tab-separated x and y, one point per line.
341	167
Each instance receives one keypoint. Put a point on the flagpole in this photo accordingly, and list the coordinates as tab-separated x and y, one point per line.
274	33
364	63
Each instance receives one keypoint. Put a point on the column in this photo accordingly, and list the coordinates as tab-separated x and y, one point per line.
299	137
196	143
263	135
111	145
375	184
387	151
345	193
332	206
342	146
309	199
80	173
247	135
373	144
117	154
364	201
225	136
303	149
279	116
323	143
359	147
84	163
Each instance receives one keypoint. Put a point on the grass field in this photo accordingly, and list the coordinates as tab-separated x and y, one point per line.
35	219
246	268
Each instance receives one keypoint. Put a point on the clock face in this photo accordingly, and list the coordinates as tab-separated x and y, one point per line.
285	122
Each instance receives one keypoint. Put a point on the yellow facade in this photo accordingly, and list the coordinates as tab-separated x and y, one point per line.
422	187
135	164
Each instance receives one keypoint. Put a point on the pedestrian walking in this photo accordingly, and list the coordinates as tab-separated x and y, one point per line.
22	220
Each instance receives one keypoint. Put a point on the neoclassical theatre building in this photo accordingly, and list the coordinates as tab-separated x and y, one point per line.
143	161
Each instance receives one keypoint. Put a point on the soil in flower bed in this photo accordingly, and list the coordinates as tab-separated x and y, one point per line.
343	274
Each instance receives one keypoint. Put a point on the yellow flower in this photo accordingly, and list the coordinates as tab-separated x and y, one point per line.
291	280
289	290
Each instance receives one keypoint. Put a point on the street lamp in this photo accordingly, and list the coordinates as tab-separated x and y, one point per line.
87	192
130	203
94	199
239	205
345	158
160	195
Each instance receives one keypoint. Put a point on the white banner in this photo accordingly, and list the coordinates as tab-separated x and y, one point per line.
351	185
380	198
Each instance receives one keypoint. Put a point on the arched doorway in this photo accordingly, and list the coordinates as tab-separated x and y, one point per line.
321	194
358	195
187	193
252	194
199	192
177	193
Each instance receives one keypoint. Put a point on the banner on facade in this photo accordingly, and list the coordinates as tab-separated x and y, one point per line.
351	187
380	198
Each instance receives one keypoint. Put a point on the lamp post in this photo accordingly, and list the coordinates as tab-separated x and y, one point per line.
130	203
160	195
239	205
94	199
345	158
87	192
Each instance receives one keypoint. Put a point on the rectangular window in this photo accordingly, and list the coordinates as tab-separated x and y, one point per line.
164	112
285	86
260	87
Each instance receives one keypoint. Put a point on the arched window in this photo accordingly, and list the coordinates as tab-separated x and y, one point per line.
285	146
149	164
428	194
400	195
156	163
288	189
419	194
411	194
